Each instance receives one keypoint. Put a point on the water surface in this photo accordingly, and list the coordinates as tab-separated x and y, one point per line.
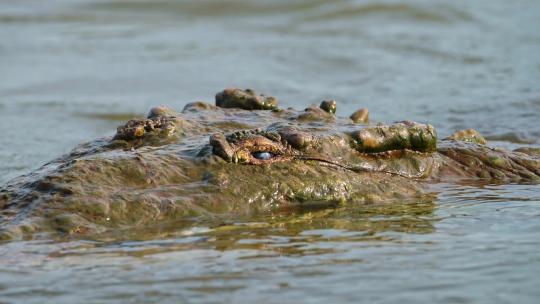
72	70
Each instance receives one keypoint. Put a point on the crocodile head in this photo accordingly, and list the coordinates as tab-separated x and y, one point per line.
243	155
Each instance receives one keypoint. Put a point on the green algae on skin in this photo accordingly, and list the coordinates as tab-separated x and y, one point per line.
245	99
399	136
212	161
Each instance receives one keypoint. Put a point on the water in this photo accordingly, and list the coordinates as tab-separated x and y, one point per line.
71	71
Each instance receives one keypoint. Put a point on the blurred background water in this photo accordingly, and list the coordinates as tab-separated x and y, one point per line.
73	70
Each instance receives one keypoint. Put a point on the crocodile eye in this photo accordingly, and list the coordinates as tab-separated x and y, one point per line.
262	155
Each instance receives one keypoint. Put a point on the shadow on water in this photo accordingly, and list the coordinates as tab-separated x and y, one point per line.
287	233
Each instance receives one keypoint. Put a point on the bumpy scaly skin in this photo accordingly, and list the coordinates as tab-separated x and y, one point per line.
360	116
138	128
247	100
329	106
217	160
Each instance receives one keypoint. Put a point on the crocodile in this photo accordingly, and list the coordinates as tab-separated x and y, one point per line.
244	155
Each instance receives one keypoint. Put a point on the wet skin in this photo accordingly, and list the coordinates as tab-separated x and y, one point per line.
244	156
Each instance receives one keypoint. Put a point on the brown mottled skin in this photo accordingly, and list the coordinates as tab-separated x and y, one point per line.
243	156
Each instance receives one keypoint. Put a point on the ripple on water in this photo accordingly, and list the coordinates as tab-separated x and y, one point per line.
472	235
457	65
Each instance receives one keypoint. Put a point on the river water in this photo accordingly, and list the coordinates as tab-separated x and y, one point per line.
72	70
